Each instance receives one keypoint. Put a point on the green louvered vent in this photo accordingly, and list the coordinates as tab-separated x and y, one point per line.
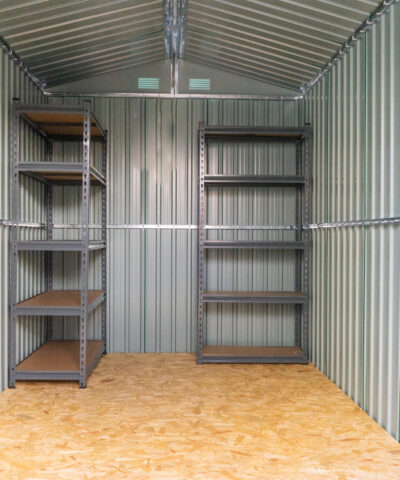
148	83
199	84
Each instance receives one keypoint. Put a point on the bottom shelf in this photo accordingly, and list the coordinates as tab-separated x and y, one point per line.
238	354
58	360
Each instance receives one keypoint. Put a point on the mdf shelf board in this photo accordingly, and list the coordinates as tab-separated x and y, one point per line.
58	245
59	302
242	354
248	244
58	360
60	124
60	173
221	180
255	297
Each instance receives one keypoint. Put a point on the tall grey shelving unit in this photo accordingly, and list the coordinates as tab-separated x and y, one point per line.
58	360
301	182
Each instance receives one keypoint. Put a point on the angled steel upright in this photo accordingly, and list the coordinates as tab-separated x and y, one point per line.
307	235
85	245
200	247
14	250
104	240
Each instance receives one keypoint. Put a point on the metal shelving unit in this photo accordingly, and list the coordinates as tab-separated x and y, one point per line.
59	360
301	182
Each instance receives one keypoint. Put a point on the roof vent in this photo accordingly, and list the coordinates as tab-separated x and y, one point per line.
199	84
148	83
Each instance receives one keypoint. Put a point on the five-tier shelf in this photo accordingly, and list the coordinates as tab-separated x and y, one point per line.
299	298
58	360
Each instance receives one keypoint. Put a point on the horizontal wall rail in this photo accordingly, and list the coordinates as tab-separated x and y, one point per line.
142	226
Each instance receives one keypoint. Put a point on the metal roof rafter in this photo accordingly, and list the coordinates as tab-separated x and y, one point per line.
175	16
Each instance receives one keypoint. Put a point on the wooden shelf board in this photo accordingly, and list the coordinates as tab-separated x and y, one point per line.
61	177
59	356
239	351
62	124
60	298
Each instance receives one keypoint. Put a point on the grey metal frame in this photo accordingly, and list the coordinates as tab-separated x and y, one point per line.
84	246
200	248
302	182
59	245
37	168
254	180
104	240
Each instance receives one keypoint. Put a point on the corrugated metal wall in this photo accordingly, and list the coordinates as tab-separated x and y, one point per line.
355	112
153	172
13	83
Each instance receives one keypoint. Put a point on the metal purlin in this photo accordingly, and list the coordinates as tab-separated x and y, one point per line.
201	239
369	222
85	245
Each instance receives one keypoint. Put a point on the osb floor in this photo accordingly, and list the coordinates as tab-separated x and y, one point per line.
164	417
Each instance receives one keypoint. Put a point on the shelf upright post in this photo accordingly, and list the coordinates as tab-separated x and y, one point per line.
14	251
48	256
85	245
201	240
299	254
306	234
104	239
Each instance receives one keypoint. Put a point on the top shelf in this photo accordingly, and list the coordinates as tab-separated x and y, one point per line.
60	122
254	133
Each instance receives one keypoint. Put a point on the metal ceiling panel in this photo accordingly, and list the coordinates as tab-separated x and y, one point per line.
66	40
281	42
285	42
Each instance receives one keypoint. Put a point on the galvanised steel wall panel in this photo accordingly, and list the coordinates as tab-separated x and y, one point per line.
355	112
13	83
153	172
382	282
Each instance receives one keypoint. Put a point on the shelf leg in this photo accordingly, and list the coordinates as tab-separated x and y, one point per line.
200	251
299	255
307	238
104	251
48	256
85	247
14	253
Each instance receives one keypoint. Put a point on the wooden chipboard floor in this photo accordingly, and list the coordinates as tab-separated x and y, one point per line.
149	416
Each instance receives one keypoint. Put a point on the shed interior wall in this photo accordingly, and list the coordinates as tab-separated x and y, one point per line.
355	112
